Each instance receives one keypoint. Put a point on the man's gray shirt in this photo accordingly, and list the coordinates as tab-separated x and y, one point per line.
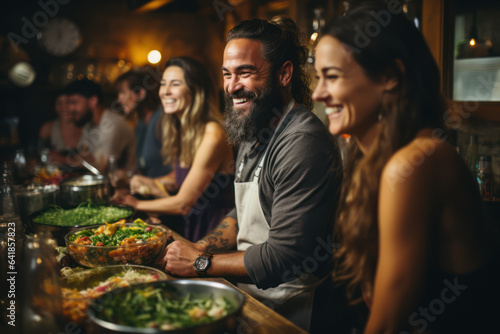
299	189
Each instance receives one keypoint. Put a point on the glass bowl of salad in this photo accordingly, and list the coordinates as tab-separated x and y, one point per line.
174	306
80	288
117	243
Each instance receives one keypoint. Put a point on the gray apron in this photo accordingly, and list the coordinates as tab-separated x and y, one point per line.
294	299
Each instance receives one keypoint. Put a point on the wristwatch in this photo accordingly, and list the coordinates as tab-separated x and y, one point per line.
202	263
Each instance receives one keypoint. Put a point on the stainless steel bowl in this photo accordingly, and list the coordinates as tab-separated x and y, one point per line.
183	288
35	197
75	305
60	231
85	188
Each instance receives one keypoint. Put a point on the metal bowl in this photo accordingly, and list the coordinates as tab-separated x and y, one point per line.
85	188
35	197
74	307
60	231
181	288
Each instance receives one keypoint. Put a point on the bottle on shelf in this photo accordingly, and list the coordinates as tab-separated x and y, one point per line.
485	177
8	205
113	173
11	244
472	155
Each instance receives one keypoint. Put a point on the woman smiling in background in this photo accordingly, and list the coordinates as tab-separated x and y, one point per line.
195	143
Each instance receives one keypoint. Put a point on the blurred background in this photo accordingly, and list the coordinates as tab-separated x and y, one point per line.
45	44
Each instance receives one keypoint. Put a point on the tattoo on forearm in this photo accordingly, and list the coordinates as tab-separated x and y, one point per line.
215	241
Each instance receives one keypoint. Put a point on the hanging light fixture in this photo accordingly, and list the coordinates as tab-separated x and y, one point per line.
473	36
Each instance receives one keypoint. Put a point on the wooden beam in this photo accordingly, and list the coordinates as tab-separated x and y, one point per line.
432	28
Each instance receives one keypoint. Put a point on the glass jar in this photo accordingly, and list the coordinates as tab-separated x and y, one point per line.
40	301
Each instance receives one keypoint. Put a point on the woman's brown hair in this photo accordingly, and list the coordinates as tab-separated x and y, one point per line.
383	43
181	137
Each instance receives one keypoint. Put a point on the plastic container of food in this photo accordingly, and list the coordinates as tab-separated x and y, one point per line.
196	307
80	288
132	253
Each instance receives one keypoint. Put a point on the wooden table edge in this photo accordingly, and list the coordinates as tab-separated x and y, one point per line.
252	307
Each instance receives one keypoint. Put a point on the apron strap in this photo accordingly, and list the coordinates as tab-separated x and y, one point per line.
240	168
256	174
257	171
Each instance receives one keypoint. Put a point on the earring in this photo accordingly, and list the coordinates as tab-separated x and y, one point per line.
379	116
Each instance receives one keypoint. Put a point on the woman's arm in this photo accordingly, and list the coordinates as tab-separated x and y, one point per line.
168	181
209	158
144	185
405	212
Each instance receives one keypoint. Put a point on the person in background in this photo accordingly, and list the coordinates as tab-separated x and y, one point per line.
195	142
414	237
61	135
139	102
109	134
286	166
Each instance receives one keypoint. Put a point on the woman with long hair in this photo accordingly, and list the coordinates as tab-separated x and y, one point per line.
413	235
193	141
139	102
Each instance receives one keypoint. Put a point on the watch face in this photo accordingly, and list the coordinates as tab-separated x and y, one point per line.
201	263
59	37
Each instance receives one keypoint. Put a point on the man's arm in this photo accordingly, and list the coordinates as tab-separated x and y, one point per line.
222	238
181	255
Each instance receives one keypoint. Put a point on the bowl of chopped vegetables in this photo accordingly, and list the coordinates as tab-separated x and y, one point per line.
117	243
61	221
176	306
80	288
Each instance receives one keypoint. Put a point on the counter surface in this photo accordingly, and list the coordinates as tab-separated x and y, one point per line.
256	318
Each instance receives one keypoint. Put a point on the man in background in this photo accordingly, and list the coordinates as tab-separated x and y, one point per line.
108	136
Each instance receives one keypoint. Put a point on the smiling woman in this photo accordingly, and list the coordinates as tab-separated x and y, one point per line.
415	239
196	144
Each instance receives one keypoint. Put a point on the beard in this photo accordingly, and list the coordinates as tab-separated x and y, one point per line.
84	119
258	123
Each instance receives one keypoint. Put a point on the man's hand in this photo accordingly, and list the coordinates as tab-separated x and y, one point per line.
179	258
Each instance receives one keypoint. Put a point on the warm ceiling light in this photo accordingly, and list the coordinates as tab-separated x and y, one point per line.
472	42
154	56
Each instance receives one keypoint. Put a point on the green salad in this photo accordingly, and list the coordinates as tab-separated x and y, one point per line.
117	234
161	307
85	214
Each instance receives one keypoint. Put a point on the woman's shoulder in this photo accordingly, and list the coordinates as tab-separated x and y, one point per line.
425	156
214	130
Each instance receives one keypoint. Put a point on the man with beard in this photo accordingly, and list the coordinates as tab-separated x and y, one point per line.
277	241
105	133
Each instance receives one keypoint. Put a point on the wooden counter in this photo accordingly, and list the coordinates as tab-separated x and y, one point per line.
256	318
